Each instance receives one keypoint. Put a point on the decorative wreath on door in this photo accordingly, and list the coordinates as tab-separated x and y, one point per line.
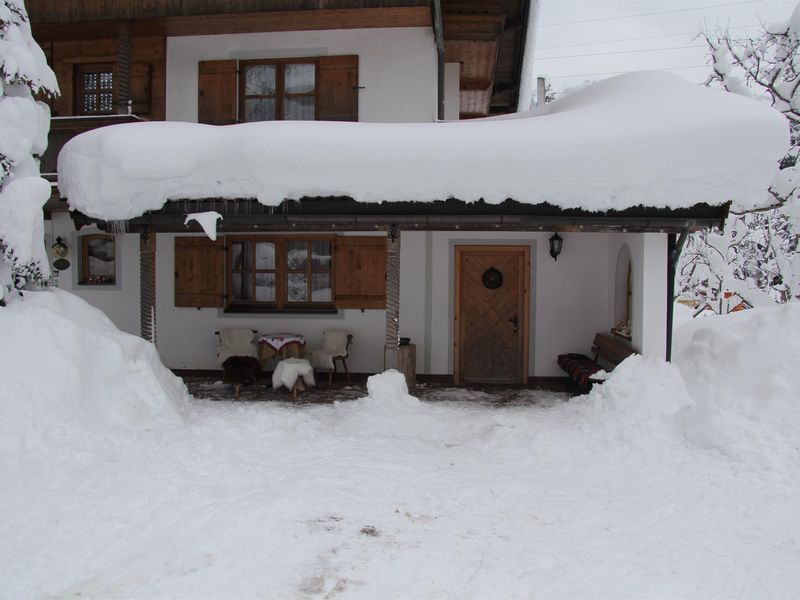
492	278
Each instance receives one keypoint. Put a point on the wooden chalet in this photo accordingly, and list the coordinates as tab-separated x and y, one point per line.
474	286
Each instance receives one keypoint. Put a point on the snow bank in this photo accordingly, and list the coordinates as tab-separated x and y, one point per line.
65	369
642	401
741	369
732	389
641	138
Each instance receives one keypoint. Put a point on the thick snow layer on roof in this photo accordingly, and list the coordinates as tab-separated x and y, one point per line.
649	139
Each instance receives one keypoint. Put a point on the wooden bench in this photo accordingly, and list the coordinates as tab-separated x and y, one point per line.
580	368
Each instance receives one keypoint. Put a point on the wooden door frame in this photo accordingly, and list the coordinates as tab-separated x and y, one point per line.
460	249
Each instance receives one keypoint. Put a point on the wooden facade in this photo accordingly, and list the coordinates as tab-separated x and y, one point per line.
486	38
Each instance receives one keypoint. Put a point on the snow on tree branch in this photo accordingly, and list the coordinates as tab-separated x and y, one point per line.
24	125
757	256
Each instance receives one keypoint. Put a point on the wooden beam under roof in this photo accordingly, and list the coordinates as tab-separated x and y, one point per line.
486	38
252	22
71	11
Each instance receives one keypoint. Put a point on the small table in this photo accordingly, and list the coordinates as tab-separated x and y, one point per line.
281	346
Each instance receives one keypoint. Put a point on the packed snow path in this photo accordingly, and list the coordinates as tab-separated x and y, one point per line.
371	499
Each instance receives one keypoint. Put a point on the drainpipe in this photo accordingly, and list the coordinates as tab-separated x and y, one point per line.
438	34
674	247
541	91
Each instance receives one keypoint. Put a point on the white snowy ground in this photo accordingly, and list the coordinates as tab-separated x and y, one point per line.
115	484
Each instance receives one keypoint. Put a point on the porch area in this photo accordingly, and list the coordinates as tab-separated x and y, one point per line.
209	386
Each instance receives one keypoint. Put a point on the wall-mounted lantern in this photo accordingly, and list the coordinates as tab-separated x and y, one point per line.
556	242
60	251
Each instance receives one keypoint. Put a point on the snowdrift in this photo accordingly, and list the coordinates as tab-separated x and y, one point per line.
66	369
741	370
732	389
642	138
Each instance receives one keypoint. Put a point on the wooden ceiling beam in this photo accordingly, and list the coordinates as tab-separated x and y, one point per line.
473	27
253	22
476	83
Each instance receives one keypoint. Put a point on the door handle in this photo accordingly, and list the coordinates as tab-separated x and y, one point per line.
514	323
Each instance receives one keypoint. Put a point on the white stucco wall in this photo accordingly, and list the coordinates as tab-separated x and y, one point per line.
119	302
397	66
568	297
649	306
186	335
452	91
571	300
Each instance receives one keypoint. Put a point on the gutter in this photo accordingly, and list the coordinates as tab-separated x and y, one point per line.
438	34
525	76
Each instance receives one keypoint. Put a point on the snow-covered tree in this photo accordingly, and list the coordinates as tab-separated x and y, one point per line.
24	124
756	256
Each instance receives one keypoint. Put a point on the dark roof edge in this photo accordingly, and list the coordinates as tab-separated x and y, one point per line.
345	214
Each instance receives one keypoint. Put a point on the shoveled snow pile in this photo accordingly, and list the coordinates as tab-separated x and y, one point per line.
616	493
66	372
742	371
642	138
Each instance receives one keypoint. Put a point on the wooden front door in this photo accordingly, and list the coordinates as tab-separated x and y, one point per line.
491	314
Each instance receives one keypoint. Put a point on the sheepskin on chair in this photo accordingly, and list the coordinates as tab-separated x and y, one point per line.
288	371
238	355
336	348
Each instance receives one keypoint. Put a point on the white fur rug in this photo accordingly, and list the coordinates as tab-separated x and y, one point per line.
288	371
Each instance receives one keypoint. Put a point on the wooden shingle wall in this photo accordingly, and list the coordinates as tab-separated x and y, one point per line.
148	78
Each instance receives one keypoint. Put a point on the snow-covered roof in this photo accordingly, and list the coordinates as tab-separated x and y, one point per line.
649	139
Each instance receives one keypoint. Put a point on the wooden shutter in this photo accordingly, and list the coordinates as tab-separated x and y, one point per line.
360	272
140	88
338	88
199	271
216	100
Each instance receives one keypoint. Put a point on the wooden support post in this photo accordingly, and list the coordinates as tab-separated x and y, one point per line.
392	341
147	285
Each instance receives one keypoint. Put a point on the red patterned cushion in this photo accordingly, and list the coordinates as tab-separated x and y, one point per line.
579	367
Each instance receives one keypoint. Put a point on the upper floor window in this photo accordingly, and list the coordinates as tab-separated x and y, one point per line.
276	90
95	89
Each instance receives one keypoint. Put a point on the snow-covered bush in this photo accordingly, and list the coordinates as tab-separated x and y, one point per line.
24	124
756	256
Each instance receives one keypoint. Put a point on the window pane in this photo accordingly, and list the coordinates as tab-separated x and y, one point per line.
90	81
298	287
321	255
321	287
241	258
297	254
242	286
100	253
265	287
259	80
265	255
236	255
106	81
259	109
106	102
299	78
89	103
300	108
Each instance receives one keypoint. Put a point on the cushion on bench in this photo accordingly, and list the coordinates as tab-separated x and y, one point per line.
579	367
